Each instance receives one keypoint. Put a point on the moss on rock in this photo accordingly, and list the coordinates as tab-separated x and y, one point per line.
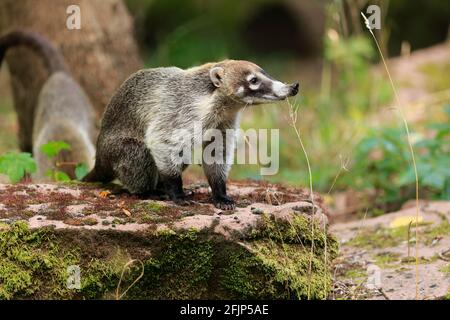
281	259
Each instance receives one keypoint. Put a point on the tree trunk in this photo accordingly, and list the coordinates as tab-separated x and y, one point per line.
101	55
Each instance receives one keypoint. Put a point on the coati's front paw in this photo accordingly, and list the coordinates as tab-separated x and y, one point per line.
224	203
180	200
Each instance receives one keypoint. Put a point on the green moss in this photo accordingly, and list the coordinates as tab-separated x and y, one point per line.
279	259
441	230
438	75
164	232
99	279
274	263
379	237
421	260
277	271
386	259
300	231
355	274
445	269
154	206
150	206
31	262
152	218
181	268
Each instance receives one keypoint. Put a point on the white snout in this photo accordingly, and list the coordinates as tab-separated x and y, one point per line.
280	89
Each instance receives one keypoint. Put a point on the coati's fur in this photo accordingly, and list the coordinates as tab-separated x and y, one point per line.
136	143
63	111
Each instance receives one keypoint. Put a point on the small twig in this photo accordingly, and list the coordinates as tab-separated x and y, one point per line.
383	293
342	168
410	145
293	113
128	264
59	164
442	255
409	237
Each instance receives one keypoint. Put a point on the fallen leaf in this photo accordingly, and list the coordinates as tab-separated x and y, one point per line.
105	193
127	212
405	221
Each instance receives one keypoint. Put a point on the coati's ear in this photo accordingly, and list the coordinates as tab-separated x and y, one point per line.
216	75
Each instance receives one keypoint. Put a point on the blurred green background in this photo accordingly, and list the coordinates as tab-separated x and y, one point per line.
354	139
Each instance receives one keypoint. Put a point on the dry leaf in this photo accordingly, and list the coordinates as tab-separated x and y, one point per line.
127	212
405	221
105	193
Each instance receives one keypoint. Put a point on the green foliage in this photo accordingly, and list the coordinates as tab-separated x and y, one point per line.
437	75
189	33
355	85
57	175
383	162
16	165
53	148
81	171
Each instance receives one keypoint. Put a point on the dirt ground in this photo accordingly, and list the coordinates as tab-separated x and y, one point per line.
378	255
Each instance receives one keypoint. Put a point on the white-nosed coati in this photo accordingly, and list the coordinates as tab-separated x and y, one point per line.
63	111
138	140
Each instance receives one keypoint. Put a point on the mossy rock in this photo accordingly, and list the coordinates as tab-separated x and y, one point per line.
278	259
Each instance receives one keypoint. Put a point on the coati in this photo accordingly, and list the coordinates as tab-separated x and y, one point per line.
137	138
63	111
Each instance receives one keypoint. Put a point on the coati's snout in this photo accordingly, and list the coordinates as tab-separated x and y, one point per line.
249	84
294	89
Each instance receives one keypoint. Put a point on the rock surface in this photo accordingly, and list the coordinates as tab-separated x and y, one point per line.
131	248
377	259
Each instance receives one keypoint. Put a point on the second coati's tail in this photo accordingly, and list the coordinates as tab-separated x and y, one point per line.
92	176
98	175
63	111
53	60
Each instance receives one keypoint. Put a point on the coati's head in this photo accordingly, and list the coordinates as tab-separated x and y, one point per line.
247	83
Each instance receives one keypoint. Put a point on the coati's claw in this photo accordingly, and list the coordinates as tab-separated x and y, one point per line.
190	193
180	200
224	203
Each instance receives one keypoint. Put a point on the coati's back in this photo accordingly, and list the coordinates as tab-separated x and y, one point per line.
63	111
150	95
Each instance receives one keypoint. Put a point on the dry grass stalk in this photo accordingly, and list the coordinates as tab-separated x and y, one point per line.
411	149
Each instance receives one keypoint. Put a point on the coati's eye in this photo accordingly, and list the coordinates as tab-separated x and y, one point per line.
253	80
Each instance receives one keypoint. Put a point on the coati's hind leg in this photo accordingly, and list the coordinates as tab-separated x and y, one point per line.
173	185
134	166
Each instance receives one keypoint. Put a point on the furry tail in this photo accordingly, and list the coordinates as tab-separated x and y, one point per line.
98	175
53	60
92	176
